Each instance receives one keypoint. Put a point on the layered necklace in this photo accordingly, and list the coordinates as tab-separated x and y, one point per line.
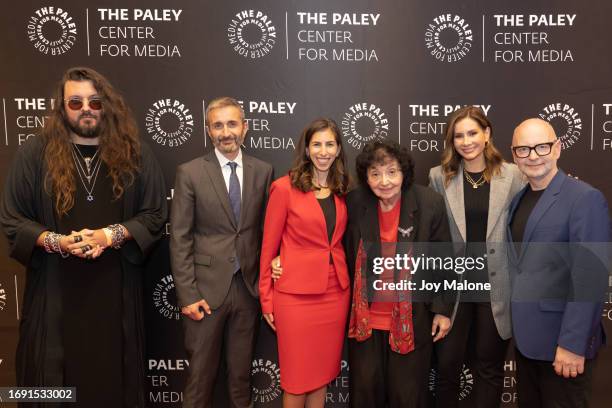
475	183
88	168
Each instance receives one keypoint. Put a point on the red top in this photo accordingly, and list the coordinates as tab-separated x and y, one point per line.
380	312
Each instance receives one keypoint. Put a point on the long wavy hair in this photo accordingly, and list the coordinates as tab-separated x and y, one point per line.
302	173
451	159
119	141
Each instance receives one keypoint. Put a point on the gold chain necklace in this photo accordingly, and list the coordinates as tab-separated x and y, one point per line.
474	183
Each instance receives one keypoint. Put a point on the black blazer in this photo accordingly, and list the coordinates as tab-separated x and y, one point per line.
423	210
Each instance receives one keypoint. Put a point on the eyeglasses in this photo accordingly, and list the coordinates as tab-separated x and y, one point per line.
541	149
94	103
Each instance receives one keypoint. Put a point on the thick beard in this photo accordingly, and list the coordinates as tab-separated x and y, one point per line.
89	132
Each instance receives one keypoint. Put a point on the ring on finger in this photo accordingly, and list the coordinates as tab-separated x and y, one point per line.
78	238
85	248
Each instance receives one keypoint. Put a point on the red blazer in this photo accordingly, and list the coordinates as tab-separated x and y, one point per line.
295	223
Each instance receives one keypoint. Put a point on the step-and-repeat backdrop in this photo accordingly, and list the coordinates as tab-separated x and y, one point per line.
391	69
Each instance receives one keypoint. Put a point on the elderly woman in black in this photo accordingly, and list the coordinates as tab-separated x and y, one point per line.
391	336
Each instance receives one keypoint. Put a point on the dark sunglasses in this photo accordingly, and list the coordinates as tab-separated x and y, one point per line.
94	103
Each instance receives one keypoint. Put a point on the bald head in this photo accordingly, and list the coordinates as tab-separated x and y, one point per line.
535	149
533	128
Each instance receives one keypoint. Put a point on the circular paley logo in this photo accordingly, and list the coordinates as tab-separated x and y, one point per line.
251	34
265	376
52	31
466	382
565	120
362	123
164	298
169	122
448	38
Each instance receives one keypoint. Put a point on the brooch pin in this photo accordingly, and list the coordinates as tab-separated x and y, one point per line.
405	231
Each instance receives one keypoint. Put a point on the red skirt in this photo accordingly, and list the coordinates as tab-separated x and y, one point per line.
310	331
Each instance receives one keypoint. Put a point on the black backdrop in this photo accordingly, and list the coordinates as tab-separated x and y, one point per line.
390	68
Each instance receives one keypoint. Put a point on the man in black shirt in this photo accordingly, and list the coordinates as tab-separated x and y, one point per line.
558	225
88	171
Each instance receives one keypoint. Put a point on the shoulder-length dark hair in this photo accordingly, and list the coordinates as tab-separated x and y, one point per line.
301	172
451	159
119	141
381	152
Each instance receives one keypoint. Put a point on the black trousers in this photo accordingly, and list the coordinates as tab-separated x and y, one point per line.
538	385
380	377
230	331
473	322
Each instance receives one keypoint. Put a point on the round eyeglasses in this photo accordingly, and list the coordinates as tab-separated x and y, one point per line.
94	103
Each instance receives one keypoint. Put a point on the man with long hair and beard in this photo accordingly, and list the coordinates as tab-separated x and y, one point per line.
82	205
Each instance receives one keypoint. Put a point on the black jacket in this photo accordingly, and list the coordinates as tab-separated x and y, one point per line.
423	213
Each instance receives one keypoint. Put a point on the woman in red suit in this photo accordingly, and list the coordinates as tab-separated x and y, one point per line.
307	307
